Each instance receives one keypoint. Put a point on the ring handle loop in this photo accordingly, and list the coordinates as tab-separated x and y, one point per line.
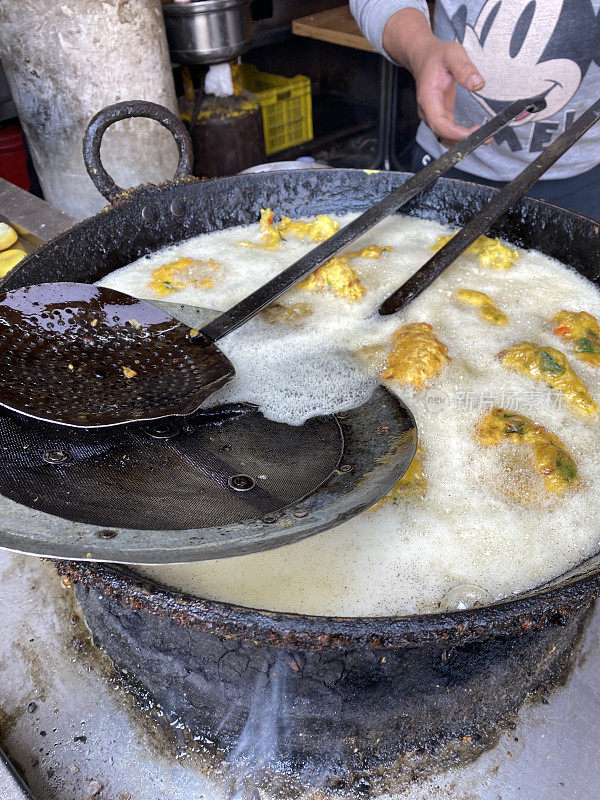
127	110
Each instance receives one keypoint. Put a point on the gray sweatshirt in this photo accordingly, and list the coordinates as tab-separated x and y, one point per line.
522	48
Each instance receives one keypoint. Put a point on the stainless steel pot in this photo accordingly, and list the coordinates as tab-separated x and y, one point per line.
208	31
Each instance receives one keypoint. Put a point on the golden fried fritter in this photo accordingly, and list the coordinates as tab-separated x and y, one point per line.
287	314
412	484
370	251
583	332
9	259
552	367
490	252
184	273
317	229
338	276
417	355
550	456
488	310
8	236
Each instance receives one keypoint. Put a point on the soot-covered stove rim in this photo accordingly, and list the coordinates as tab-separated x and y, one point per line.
526	613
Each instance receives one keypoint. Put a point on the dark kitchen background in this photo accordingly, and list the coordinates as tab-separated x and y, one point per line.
319	88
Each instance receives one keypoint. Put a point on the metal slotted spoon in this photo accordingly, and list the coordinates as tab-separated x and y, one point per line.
87	356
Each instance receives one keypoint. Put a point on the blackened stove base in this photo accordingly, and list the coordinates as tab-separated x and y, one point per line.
354	709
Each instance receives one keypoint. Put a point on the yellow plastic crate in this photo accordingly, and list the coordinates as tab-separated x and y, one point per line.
286	106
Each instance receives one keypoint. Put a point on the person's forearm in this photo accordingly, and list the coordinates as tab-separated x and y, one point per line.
372	16
407	37
400	30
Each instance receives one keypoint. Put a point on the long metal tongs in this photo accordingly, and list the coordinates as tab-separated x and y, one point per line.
499	204
414	186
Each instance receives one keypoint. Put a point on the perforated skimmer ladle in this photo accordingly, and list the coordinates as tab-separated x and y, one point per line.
89	356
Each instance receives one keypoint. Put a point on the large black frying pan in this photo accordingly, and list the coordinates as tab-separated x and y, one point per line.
148	218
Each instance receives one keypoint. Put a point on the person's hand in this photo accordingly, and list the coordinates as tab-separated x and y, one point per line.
437	70
437	67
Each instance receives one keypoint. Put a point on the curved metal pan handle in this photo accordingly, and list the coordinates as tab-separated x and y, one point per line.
126	110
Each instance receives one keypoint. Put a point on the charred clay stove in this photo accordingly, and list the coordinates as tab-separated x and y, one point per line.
346	695
360	692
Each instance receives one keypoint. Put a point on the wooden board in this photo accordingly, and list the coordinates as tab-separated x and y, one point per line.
336	25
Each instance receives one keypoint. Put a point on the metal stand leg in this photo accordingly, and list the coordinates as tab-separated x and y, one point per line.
388	108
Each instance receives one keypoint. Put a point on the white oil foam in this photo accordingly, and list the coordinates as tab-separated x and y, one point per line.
464	541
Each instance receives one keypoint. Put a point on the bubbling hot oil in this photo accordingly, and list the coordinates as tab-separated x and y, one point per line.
466	541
